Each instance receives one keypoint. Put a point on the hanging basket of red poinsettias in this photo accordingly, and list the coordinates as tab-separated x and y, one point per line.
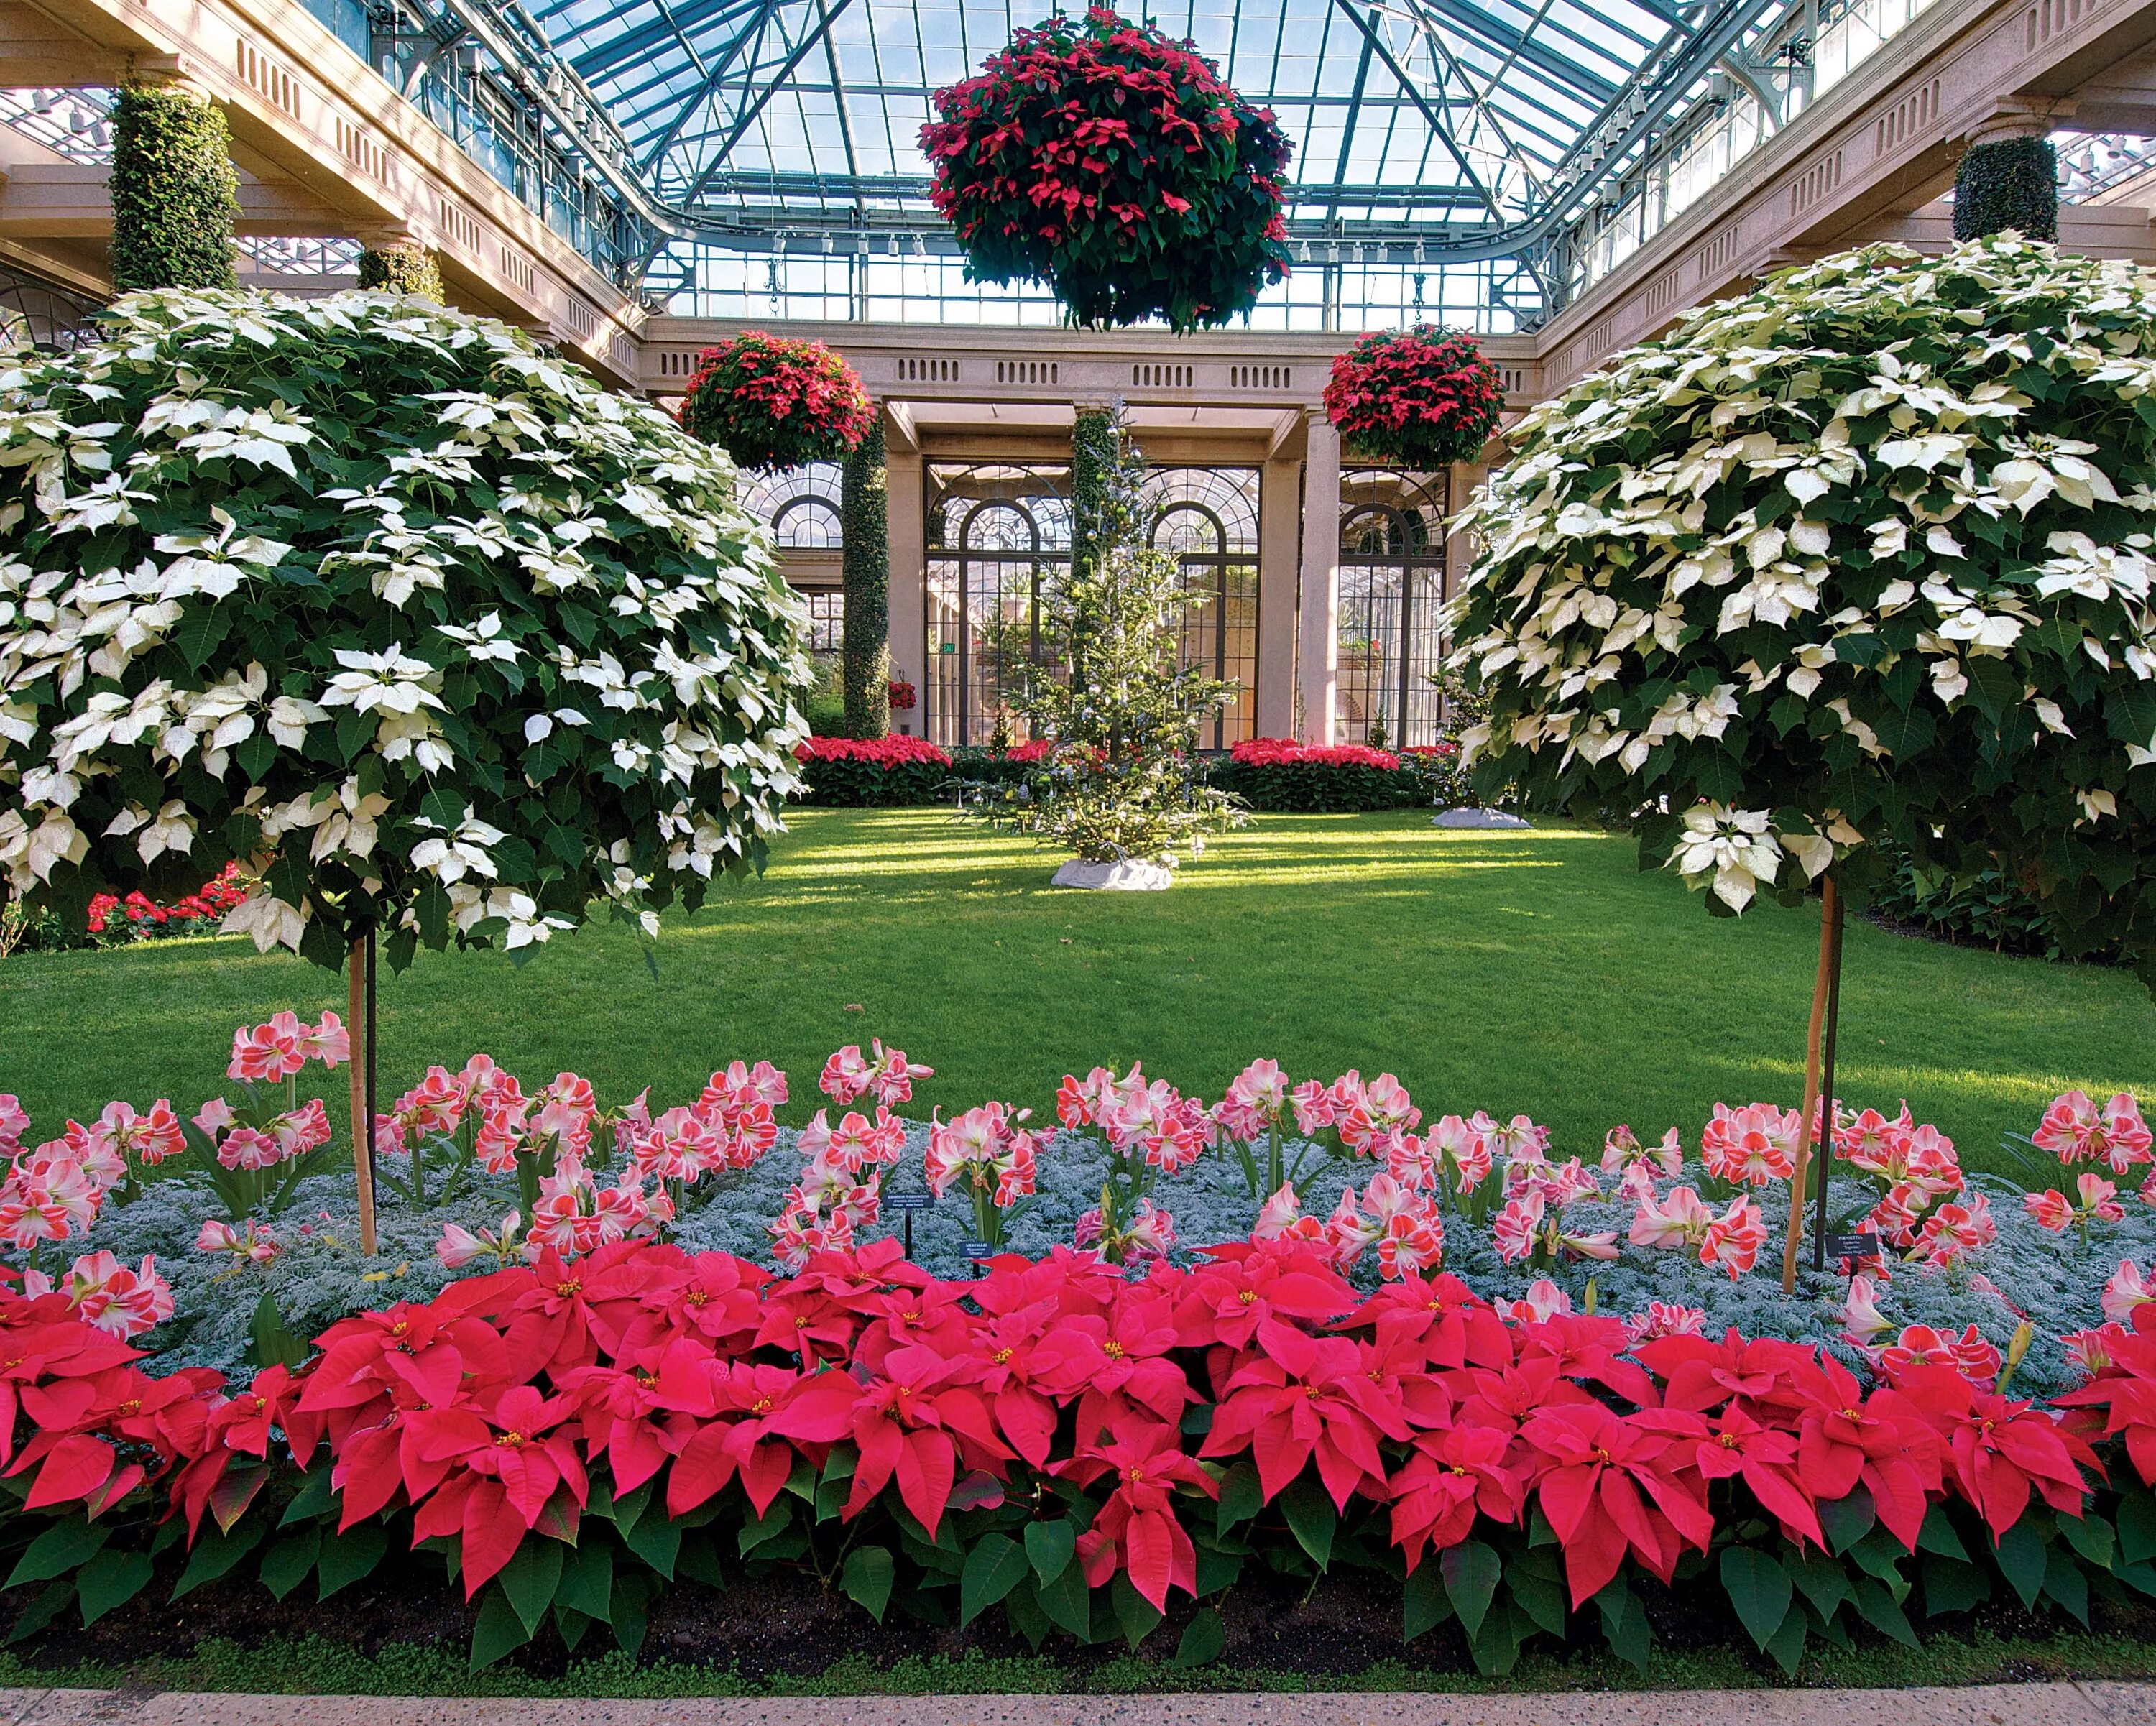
1116	166
1423	396
771	403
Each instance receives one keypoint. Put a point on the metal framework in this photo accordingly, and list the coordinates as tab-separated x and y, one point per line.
1500	140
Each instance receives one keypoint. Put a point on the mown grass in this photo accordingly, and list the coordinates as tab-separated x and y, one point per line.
1536	972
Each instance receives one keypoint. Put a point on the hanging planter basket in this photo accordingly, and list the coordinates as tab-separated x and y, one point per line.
772	403
1116	166
1423	396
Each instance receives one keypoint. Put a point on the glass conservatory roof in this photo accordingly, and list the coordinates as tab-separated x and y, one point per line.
1470	129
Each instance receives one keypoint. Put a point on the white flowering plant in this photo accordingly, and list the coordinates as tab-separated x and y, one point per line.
431	631
1863	556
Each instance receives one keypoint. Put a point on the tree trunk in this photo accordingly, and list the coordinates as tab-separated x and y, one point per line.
356	962
1830	913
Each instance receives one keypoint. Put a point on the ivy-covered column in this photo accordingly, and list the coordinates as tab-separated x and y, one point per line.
174	192
865	644
403	266
2008	179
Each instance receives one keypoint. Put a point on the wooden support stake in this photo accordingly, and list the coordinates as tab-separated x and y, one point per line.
1829	904
362	1130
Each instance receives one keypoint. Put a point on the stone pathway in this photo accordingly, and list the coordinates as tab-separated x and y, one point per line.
2089	1704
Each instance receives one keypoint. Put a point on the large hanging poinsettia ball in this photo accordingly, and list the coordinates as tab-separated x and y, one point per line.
434	633
1425	397
1863	559
1117	167
771	402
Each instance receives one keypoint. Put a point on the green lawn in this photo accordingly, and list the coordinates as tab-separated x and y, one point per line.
1532	971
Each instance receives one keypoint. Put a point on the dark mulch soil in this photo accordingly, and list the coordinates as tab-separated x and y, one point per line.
786	1624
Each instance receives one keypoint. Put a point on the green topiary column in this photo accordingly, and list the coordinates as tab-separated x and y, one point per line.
2014	183
1095	448
864	645
174	193
403	269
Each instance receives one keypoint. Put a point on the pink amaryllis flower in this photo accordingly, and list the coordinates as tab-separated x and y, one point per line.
1638	1167
1752	1145
2075	1130
147	1139
1463	1151
1922	1345
1679	1220
1543	1301
460	1245
1664	1318
886	1073
2126	1291
1734	1239
252	1243
1256	1098
2096	1200
118	1299
1860	1315
1955	1230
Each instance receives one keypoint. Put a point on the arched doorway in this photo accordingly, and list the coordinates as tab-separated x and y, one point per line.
1392	586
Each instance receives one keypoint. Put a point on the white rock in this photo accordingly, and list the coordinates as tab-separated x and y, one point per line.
1463	817
1128	876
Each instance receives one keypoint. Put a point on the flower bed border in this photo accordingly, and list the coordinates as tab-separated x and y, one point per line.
570	1441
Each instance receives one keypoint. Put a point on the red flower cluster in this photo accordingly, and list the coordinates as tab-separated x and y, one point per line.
1116	167
488	1409
138	915
1032	751
894	751
902	696
1286	752
773	403
1423	396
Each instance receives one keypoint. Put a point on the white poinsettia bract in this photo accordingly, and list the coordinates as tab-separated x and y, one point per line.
1859	563
428	628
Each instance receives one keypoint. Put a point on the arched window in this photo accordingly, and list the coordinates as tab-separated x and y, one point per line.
1391	585
996	536
800	505
1208	519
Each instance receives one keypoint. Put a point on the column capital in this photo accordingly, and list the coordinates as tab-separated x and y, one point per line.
2017	117
388	236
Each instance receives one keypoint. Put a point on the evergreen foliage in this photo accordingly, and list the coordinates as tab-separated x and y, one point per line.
403	269
174	192
2013	184
1118	780
864	652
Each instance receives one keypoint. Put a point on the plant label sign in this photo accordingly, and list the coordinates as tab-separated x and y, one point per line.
909	1201
1858	1246
976	1249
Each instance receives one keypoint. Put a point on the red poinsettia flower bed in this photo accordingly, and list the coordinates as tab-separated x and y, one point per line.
1425	397
1286	752
138	917
1115	165
1056	1431
771	402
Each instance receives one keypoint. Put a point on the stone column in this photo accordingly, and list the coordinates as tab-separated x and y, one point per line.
1461	482
1318	647
907	537
1280	551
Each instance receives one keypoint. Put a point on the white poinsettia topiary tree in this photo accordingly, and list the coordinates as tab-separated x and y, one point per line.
437	635
1858	561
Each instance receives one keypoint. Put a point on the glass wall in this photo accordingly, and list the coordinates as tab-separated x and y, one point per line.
1391	585
997	535
1208	519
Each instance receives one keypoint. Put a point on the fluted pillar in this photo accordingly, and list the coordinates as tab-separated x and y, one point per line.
1317	647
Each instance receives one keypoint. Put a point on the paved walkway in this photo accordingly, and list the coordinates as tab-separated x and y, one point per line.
2092	1704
